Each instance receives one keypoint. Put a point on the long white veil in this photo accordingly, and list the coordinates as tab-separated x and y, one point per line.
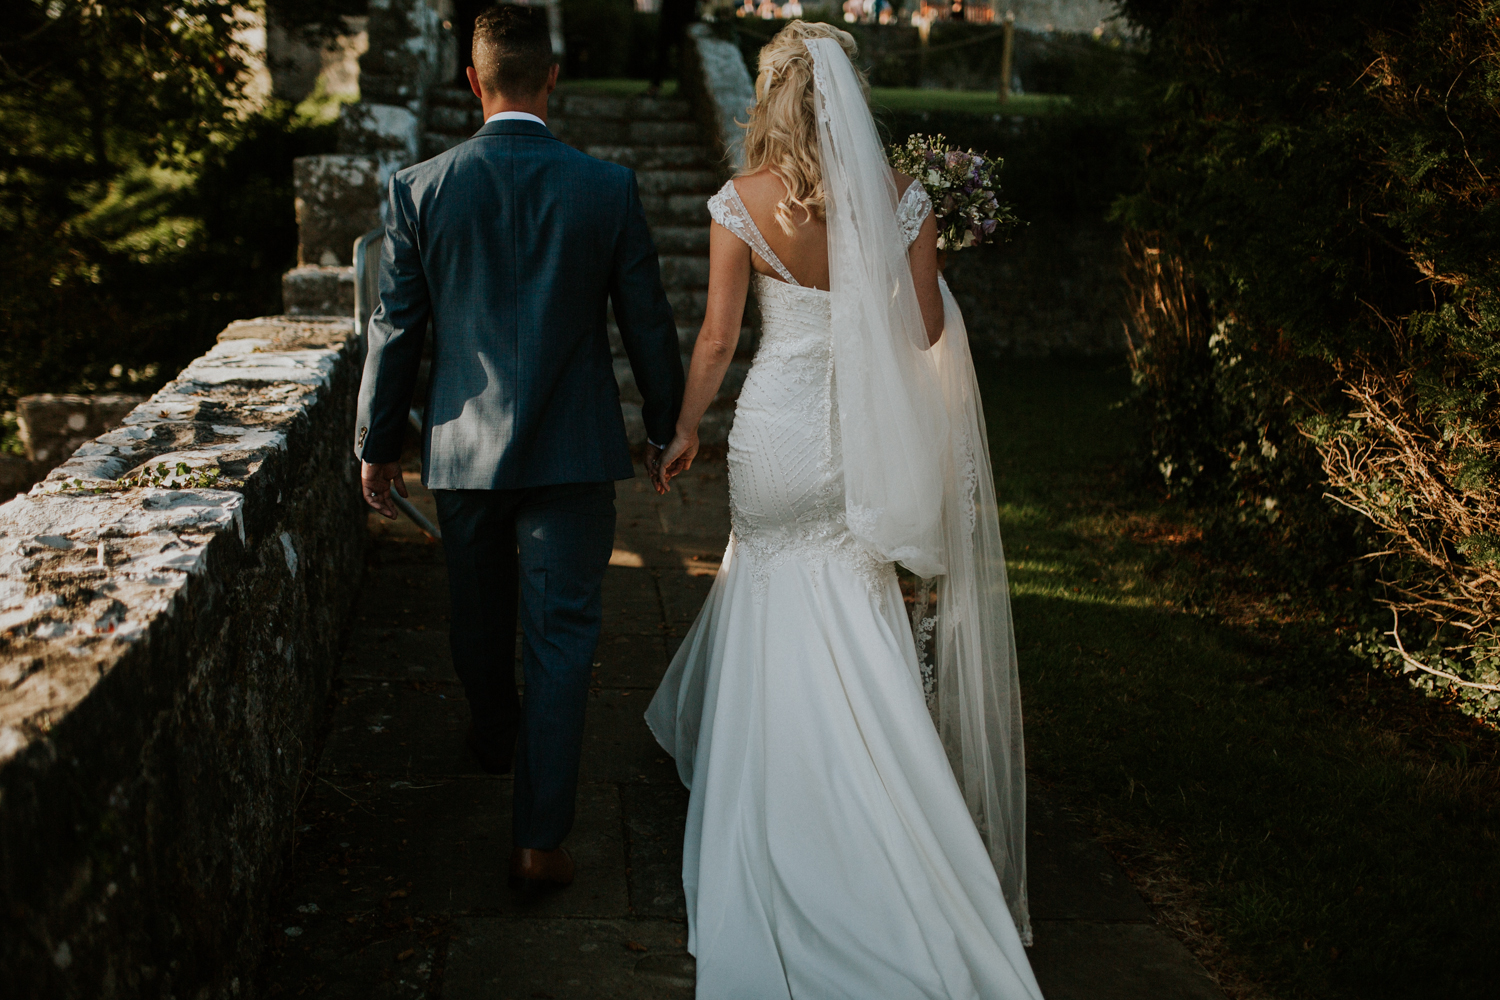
917	478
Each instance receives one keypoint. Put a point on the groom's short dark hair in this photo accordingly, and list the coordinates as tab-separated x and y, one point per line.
513	49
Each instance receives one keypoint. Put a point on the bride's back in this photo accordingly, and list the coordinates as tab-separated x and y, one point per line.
804	252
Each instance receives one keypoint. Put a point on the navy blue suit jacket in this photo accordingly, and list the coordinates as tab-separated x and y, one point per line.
512	244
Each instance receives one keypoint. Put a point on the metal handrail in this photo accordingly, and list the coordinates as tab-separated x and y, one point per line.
366	279
416	517
405	506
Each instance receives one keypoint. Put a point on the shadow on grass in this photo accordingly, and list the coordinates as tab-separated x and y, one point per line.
1340	845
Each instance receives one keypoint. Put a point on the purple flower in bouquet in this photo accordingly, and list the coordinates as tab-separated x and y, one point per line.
964	186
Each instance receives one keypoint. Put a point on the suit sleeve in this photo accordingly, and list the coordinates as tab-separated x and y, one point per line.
396	332
647	327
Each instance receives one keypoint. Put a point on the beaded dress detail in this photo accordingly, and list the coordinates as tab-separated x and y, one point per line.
786	488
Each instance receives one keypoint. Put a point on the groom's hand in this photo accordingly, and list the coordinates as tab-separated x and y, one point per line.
375	481
653	465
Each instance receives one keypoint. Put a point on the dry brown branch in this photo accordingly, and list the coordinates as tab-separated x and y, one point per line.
1428	485
1165	314
1416	664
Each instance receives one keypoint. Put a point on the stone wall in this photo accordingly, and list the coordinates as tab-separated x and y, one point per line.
720	90
165	656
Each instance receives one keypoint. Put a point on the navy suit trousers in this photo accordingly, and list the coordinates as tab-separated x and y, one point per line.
542	550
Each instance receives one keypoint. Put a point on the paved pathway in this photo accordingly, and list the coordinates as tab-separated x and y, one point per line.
398	881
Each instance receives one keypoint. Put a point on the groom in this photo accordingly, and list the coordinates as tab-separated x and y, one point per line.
511	245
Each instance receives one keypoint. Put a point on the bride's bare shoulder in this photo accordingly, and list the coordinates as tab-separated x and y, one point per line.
760	187
902	181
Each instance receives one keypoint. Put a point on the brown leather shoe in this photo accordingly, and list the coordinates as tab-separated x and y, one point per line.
533	870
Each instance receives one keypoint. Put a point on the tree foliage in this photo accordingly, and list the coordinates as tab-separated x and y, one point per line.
143	202
1322	181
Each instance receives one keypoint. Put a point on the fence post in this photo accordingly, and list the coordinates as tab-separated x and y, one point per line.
1007	53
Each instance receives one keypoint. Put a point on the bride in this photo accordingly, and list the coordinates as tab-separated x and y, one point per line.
839	844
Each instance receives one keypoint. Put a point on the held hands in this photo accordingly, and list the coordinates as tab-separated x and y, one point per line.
375	485
653	463
676	459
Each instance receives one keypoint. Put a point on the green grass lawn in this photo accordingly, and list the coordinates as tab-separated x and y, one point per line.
1332	833
979	102
888	98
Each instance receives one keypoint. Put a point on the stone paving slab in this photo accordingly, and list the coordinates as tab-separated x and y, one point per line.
681	597
623	660
411	729
335	960
398	654
630	660
1078	960
568	960
618	747
1069	875
443	847
416	593
400	729
654	820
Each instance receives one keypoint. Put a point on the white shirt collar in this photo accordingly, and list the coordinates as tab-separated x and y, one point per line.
514	116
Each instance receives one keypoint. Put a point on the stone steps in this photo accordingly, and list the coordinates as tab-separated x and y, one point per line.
687	157
680	239
583	132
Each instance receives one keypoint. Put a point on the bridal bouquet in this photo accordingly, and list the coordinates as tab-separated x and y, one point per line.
964	186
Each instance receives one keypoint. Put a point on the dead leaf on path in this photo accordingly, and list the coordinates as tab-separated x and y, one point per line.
398	894
408	953
635	946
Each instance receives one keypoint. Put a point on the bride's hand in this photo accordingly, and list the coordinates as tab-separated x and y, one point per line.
678	458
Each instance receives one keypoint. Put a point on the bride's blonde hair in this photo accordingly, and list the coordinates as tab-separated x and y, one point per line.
782	133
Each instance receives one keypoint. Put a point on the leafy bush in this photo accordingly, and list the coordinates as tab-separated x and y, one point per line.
1320	181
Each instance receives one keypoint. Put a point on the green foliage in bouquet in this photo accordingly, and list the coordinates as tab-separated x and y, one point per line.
964	187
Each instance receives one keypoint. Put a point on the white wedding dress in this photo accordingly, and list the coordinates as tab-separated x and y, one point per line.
829	851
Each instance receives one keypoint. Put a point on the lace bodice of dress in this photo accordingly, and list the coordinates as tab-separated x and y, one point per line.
786	481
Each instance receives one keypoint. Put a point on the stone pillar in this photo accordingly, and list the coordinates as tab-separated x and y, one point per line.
405	53
339	198
53	426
